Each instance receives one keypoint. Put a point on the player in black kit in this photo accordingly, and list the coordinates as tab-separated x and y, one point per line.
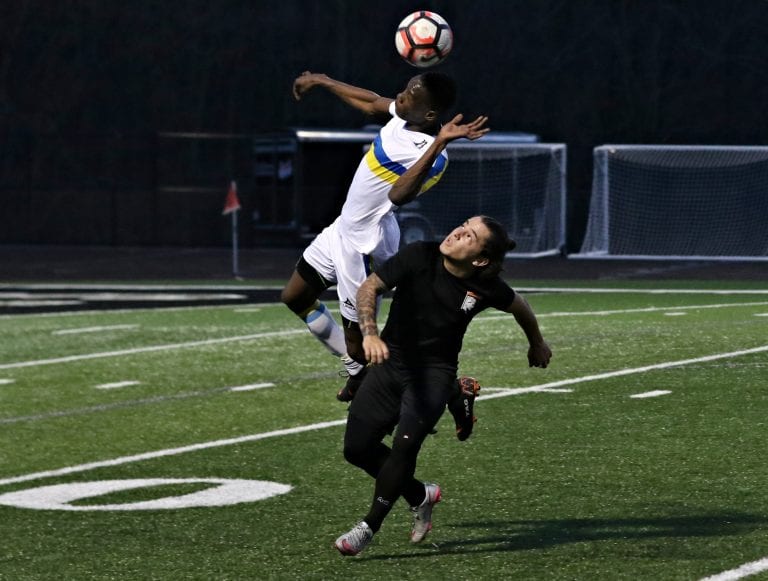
440	287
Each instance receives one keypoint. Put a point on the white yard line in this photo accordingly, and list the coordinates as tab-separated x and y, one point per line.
118	384
638	310
655	393
745	570
621	372
93	329
170	452
147	349
323	425
251	387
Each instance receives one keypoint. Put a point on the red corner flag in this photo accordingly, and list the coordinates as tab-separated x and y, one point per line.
232	203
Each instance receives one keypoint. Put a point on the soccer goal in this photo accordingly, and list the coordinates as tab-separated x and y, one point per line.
678	202
521	185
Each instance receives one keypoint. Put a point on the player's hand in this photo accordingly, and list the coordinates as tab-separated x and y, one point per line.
304	82
376	350
539	355
455	129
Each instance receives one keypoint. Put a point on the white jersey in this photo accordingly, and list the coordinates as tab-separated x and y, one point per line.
367	217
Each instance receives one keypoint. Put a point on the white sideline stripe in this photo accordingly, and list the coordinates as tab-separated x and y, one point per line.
147	349
92	329
655	393
170	452
639	310
117	384
621	372
674	314
6	381
251	387
649	291
745	570
323	425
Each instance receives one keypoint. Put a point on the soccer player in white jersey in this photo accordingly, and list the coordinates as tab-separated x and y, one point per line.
406	158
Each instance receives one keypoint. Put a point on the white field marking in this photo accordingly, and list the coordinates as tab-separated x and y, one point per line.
251	387
33	304
745	570
641	291
622	372
148	349
761	314
248	310
170	452
93	329
655	393
323	425
131	311
118	384
133	287
6	381
675	314
625	311
124	296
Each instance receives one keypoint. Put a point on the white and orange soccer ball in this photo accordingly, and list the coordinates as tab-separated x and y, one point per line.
423	38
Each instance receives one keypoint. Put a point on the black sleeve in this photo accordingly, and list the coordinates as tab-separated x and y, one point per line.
503	296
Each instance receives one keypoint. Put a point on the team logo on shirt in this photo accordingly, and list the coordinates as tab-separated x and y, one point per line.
470	300
348	303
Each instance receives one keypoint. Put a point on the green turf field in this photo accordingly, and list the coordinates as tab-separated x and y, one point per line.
569	474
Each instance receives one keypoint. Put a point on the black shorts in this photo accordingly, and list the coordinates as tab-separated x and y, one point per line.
413	398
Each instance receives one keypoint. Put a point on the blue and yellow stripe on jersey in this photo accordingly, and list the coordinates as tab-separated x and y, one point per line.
388	170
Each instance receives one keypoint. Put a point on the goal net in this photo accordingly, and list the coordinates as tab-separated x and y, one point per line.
521	185
678	202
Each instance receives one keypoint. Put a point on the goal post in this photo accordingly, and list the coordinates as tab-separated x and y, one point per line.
678	202
520	184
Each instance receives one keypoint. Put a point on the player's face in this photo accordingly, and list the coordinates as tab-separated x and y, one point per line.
412	103
467	242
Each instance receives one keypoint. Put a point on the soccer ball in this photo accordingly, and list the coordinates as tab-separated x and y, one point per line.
423	39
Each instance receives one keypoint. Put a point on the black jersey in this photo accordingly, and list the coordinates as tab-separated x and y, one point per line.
431	308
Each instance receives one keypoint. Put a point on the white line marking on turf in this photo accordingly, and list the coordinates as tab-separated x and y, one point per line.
761	314
621	372
675	314
251	387
148	349
745	570
639	310
323	425
92	329
6	381
655	393
117	384
170	452
644	291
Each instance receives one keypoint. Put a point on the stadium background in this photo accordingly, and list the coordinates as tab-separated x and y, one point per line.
87	88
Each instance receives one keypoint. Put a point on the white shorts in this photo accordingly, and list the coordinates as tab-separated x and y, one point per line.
336	261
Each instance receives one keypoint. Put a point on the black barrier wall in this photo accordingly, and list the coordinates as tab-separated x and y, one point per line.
86	88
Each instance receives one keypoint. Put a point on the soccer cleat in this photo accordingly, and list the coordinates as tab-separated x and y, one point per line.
422	514
354	382
351	543
462	405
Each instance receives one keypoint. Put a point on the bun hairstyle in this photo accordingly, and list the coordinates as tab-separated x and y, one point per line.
496	246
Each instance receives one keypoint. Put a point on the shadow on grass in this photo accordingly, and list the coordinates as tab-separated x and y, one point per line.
495	536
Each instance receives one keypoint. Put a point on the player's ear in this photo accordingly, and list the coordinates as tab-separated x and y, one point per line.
480	261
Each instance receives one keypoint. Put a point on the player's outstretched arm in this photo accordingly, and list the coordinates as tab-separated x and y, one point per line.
376	350
539	352
408	185
366	101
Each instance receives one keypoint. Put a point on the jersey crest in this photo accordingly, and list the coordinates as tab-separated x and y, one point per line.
470	301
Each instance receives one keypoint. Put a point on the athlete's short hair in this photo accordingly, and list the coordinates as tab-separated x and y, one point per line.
496	246
441	90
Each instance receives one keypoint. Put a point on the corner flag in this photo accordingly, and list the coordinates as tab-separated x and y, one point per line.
232	203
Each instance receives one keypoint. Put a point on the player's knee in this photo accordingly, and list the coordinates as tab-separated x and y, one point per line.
355	454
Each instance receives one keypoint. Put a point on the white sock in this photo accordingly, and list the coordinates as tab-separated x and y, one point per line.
352	366
321	324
